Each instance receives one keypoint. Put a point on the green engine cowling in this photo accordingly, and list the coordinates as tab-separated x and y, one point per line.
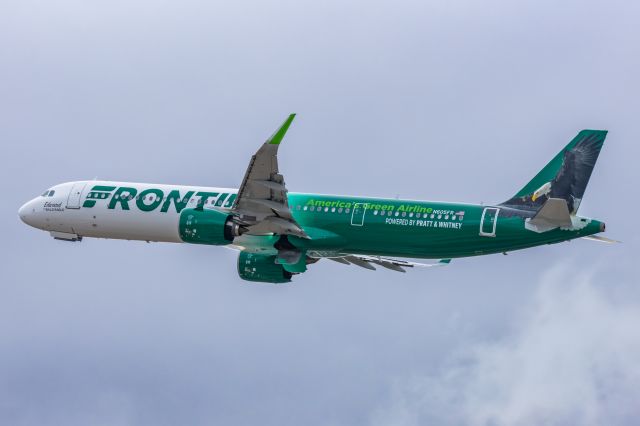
262	268
203	226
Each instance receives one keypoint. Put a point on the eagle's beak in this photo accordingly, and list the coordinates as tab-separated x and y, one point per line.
544	189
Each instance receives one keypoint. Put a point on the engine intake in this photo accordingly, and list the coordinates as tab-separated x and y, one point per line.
262	268
212	227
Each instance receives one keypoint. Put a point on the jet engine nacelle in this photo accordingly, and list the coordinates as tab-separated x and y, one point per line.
261	268
204	226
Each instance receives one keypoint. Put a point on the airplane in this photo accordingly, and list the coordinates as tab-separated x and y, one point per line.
279	233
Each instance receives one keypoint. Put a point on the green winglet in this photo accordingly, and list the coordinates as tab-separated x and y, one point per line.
276	138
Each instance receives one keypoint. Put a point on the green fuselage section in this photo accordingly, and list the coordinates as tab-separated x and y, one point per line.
417	229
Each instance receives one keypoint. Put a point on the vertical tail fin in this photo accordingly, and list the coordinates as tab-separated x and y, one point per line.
566	176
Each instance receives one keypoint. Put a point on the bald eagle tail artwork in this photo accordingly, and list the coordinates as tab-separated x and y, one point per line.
565	177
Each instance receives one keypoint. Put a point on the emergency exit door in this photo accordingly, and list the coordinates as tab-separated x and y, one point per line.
357	216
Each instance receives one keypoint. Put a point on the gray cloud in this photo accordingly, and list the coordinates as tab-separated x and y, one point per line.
571	357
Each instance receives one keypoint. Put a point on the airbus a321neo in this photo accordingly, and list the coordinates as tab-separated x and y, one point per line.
279	233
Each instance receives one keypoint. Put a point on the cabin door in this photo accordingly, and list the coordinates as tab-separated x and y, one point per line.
73	202
489	221
357	216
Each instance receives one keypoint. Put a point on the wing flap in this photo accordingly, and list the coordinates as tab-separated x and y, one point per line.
277	225
368	262
361	262
269	184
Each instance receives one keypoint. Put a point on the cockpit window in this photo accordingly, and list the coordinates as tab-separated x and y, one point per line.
51	193
45	193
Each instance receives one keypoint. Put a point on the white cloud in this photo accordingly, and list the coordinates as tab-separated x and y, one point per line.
573	358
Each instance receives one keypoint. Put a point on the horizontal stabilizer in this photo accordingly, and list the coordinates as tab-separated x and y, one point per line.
601	239
553	214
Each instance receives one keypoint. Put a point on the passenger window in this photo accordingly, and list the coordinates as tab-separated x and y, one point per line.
375	212
347	210
340	210
326	209
333	209
304	208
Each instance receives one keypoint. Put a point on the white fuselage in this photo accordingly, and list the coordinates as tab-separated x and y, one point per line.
131	211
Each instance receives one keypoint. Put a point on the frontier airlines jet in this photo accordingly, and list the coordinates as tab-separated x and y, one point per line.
279	234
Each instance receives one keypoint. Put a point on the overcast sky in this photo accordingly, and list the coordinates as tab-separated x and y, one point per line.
448	100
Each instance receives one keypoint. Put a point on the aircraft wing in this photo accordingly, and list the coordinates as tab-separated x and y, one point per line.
261	206
369	262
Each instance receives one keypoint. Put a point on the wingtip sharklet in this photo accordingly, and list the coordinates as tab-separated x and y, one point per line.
278	135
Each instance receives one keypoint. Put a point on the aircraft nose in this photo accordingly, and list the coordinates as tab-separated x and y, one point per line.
26	213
